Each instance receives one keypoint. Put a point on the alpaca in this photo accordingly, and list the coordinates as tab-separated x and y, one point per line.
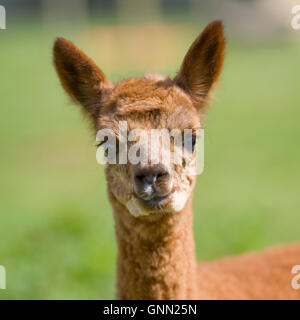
152	204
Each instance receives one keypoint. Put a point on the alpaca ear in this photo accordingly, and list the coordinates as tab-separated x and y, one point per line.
202	64
79	75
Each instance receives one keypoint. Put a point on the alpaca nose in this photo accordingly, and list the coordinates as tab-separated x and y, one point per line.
150	176
152	182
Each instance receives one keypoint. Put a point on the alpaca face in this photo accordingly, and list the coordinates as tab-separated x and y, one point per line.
152	105
149	103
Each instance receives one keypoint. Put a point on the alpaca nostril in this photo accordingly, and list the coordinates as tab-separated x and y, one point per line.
139	178
145	178
163	174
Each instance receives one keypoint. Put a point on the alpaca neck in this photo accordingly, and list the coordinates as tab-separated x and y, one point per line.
156	256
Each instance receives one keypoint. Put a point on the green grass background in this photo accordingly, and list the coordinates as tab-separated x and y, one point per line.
56	228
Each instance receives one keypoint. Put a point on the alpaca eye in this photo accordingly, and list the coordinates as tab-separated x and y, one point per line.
117	147
193	142
106	152
110	149
189	142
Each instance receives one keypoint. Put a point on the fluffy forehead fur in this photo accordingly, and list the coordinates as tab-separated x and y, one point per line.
148	104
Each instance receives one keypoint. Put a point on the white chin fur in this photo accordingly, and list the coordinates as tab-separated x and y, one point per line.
179	200
178	203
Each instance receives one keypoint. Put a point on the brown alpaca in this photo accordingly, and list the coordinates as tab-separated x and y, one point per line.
156	250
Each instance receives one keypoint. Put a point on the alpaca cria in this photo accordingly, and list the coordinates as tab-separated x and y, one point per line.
152	204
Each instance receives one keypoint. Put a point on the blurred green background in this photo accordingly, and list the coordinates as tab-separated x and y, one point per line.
56	227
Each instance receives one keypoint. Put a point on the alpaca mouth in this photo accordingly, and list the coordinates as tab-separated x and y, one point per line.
156	202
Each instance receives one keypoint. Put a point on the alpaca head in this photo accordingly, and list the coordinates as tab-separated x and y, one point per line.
164	113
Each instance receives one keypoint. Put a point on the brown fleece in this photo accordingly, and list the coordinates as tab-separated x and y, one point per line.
156	251
156	256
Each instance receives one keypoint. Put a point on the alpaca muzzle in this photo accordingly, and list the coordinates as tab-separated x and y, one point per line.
152	184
